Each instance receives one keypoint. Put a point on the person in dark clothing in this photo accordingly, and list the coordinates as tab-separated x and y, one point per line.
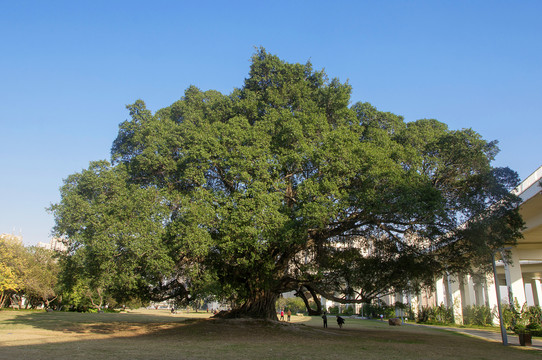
324	317
340	321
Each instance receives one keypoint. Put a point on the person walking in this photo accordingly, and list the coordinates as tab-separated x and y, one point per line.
340	322
282	315
324	317
289	314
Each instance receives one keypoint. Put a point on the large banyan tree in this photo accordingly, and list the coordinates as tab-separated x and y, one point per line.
280	186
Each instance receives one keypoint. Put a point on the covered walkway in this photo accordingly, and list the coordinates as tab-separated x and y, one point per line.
519	276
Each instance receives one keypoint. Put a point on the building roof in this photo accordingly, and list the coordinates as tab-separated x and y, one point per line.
529	187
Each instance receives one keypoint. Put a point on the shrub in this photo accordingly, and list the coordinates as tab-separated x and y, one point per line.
425	314
534	329
534	315
436	315
295	304
349	310
478	315
374	310
333	310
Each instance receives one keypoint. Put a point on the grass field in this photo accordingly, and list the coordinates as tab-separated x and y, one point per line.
156	334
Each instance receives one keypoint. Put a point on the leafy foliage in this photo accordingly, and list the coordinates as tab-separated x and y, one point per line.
294	304
480	315
11	269
27	272
436	315
41	277
282	186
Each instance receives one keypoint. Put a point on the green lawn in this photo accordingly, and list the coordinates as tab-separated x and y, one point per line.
156	334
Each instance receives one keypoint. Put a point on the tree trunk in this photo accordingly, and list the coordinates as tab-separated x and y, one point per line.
300	293
100	297
260	306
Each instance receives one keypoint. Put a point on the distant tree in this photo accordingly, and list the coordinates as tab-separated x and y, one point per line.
8	283
12	265
282	186
294	304
41	277
27	274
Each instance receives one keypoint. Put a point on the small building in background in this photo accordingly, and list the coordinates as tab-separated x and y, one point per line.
56	244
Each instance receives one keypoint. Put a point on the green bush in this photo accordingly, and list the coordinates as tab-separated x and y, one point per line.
349	310
534	315
525	318
334	310
374	310
508	317
424	314
436	315
534	329
478	315
294	304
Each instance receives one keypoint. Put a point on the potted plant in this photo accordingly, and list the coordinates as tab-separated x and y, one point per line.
525	338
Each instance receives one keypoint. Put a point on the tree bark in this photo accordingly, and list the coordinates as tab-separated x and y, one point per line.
261	305
3	297
310	310
100	297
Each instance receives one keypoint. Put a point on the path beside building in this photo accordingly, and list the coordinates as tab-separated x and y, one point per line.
513	340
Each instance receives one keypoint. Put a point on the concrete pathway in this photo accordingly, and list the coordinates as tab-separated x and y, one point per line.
513	340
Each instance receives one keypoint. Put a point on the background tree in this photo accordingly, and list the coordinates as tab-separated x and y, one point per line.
281	186
12	266
28	275
41	277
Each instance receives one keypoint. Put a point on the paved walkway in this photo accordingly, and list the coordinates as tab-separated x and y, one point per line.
513	340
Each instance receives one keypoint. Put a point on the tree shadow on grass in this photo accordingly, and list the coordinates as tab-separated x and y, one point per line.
102	323
234	339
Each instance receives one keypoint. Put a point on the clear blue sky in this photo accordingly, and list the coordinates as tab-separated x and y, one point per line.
68	68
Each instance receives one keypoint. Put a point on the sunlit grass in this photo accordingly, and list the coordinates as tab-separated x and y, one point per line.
157	334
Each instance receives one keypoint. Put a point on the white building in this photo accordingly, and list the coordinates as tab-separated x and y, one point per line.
519	277
56	244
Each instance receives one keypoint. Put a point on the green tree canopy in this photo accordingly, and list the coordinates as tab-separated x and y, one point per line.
27	272
280	186
12	259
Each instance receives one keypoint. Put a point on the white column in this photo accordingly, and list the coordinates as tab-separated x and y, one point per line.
324	303
440	295
455	299
537	291
415	305
449	291
467	290
478	287
357	308
470	287
491	293
514	279
399	298
408	297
